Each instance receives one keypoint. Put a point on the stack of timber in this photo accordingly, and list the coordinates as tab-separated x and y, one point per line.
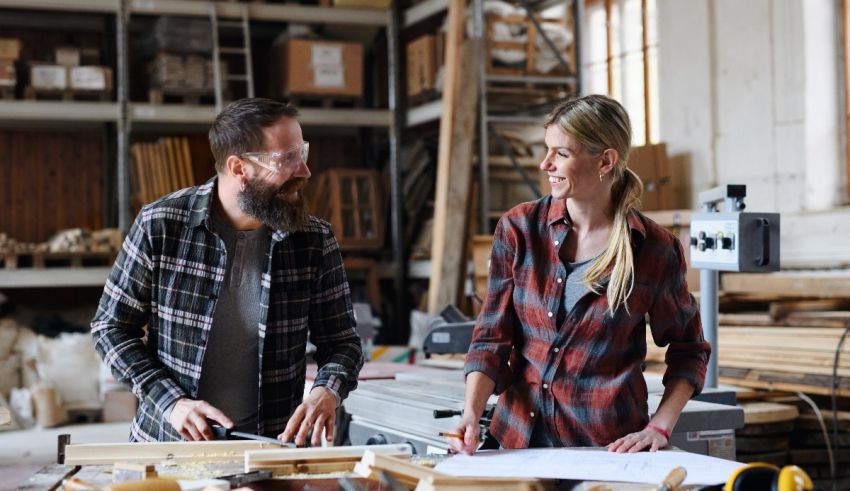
160	168
808	448
791	343
766	435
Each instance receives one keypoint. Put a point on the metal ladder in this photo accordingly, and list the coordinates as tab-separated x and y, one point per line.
245	50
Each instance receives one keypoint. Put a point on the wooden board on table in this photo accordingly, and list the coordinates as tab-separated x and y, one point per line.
109	453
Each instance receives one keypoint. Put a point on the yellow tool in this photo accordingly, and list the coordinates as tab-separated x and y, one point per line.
759	476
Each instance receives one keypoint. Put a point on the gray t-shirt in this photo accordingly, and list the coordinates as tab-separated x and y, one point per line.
231	368
575	287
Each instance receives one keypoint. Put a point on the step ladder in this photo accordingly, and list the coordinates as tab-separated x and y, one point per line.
220	79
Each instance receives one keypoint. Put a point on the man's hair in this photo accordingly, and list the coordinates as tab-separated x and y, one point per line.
239	127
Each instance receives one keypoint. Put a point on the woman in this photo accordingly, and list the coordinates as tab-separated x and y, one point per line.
561	336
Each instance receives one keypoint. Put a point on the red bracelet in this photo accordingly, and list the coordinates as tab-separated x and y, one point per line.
660	430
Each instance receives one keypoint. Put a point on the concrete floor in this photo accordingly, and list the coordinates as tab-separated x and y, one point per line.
24	452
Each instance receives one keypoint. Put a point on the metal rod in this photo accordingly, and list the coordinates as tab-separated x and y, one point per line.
483	143
708	316
216	57
397	205
123	124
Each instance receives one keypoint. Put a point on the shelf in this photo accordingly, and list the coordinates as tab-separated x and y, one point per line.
101	6
71	111
106	112
423	10
538	120
532	79
430	111
256	11
54	277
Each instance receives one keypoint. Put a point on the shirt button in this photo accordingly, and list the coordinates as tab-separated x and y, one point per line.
531	414
557	242
549	314
557	349
545	386
560	280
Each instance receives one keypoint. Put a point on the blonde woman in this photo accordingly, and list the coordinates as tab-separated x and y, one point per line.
562	336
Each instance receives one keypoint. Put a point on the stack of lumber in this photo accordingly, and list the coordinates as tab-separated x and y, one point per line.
766	435
790	343
11	246
808	448
160	168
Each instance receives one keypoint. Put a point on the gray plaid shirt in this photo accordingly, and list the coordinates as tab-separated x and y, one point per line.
167	276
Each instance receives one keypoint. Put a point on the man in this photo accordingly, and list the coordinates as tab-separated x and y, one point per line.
229	278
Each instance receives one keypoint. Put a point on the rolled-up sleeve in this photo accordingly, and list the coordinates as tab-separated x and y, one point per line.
493	336
675	323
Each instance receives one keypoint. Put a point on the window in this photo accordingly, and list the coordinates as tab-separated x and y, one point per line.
620	58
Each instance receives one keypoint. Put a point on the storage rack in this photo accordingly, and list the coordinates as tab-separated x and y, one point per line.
128	116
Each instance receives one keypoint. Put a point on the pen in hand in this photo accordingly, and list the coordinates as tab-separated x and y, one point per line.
451	435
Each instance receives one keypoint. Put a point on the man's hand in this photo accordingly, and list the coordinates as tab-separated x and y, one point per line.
189	418
641	440
468	427
316	413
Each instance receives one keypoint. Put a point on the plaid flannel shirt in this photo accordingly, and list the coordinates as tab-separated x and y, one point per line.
167	277
582	376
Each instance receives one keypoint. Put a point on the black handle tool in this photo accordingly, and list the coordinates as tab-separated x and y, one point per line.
222	433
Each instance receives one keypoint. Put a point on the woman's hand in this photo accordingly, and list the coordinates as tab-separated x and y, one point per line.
468	427
647	438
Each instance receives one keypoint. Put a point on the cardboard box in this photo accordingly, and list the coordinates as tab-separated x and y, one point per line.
67	56
421	64
49	77
91	78
8	76
650	163
10	48
313	67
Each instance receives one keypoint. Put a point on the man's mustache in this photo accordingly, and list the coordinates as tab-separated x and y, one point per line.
296	184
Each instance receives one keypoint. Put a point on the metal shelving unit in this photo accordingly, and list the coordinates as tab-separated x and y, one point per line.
486	119
129	116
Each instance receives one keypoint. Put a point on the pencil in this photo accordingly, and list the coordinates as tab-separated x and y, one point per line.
451	435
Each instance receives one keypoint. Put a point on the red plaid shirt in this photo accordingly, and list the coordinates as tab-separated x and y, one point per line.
582	376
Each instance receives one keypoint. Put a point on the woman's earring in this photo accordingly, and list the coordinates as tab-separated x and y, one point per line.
600	178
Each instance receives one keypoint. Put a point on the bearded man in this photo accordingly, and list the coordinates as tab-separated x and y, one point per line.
231	278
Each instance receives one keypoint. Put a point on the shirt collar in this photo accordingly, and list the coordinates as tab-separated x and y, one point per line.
558	211
200	208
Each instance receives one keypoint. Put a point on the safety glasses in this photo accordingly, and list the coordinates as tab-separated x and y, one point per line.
280	161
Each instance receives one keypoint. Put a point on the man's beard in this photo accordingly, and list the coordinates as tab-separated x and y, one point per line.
268	204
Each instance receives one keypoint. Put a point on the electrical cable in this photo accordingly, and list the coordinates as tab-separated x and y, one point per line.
835	398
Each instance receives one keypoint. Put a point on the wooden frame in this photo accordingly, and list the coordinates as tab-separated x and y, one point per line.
845	35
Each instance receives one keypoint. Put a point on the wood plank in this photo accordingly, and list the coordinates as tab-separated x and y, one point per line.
805	285
768	412
448	250
451	85
144	452
186	160
430	483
